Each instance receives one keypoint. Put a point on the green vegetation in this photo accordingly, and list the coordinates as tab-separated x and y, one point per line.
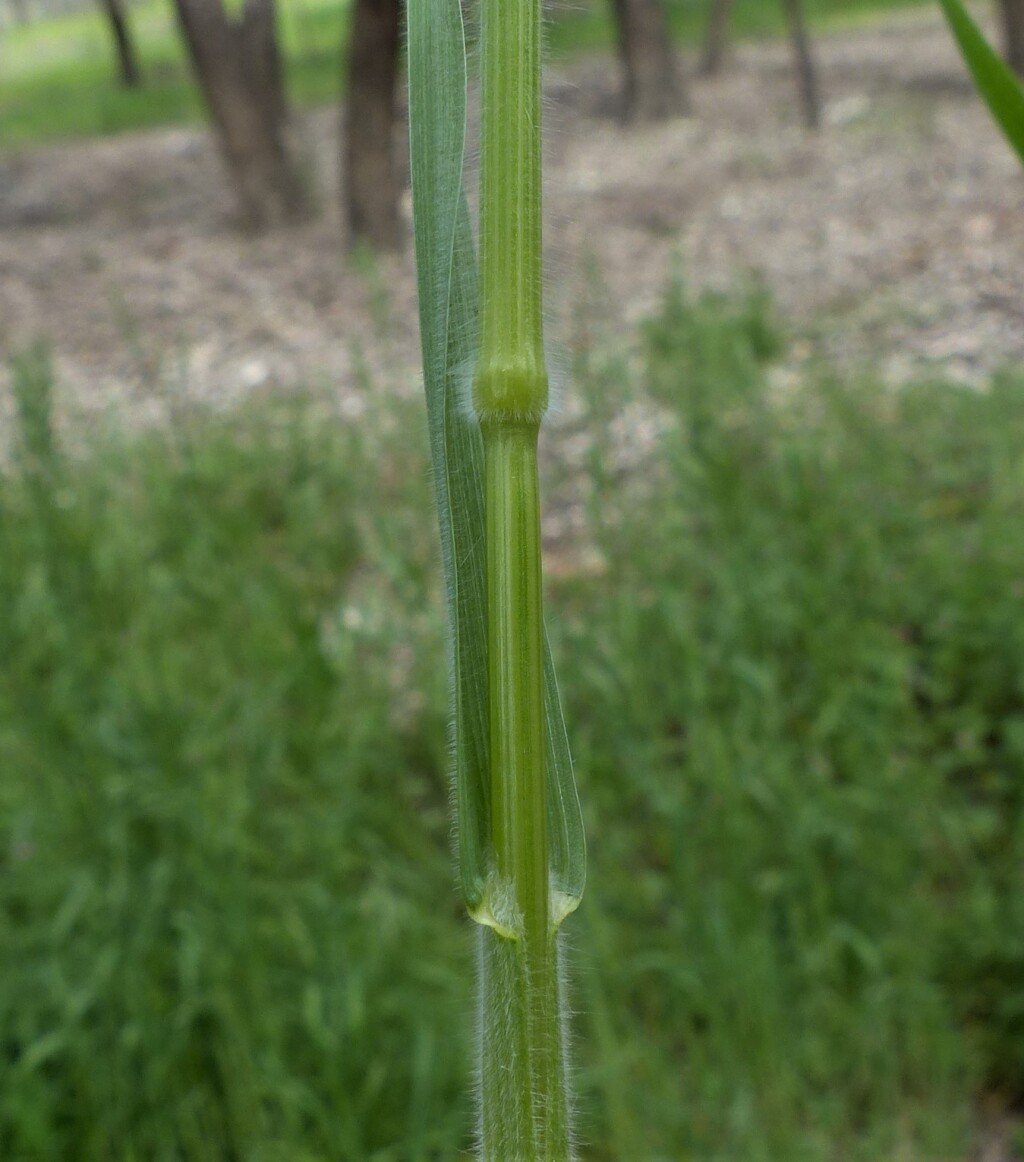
589	25
223	814
58	78
996	82
803	692
226	914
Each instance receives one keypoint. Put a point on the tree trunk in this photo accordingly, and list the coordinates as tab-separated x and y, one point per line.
239	71
127	60
1012	12
804	62
371	191
653	88
716	38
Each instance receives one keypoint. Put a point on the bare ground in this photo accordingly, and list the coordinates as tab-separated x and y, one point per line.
895	236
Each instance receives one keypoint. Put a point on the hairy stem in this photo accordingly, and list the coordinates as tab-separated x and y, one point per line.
523	1091
516	673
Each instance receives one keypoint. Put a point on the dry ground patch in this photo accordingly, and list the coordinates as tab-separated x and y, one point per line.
894	236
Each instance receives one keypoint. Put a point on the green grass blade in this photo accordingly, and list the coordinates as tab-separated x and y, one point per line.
446	276
566	839
447	286
995	81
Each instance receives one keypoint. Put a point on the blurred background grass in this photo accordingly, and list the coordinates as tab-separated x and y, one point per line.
792	677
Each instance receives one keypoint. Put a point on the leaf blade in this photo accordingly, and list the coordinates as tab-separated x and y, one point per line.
446	284
994	79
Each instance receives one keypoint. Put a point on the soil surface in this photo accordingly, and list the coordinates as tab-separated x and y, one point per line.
892	237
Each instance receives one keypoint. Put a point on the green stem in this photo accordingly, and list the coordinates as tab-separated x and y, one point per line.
523	1090
523	1074
511	379
516	672
525	1109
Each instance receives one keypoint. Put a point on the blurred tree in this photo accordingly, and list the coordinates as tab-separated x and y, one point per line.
1013	33
804	62
718	33
653	89
127	59
370	189
238	65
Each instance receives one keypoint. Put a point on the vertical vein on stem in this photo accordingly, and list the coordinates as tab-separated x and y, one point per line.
510	394
511	375
523	1072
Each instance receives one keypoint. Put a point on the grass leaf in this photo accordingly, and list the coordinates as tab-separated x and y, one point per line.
446	275
998	86
447	287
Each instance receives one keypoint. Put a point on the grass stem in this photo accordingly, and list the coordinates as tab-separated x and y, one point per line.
511	379
525	1108
516	672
